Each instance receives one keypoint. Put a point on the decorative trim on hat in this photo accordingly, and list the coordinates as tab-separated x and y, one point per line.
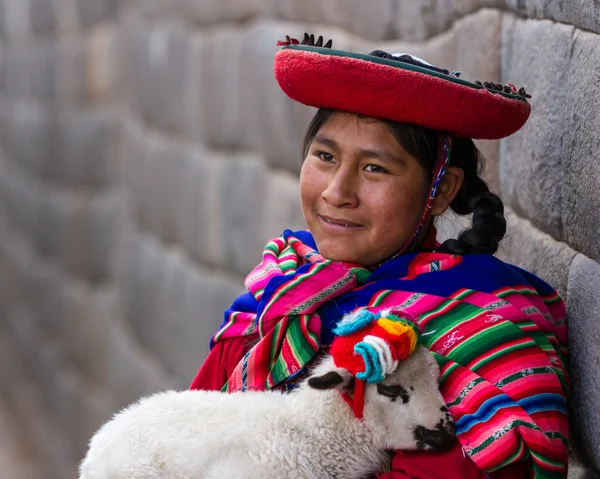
397	89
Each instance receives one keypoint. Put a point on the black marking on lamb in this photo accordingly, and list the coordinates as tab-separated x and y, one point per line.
437	439
393	391
327	381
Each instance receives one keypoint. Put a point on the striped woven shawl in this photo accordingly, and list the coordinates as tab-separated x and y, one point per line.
498	332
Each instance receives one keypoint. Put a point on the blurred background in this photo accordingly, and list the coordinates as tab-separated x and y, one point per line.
146	155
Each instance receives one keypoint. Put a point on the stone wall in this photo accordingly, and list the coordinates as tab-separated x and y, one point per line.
146	154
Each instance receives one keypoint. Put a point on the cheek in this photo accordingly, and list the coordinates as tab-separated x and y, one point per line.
399	203
310	187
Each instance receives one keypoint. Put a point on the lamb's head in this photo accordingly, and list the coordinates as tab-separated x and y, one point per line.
403	407
405	411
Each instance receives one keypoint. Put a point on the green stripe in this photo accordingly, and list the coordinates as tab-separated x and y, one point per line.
491	440
524	292
482	341
302	350
443	324
463	295
522	374
381	297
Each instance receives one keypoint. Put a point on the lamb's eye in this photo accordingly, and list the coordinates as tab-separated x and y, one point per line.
393	391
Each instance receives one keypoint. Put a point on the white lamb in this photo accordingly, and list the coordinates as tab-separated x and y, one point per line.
310	433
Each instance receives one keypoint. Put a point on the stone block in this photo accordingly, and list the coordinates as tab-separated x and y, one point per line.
206	12
43	299
95	11
22	327
131	166
66	399
18	260
580	189
52	217
86	146
29	71
161	64
201	211
229	88
132	371
241	196
140	281
90	232
43	15
422	19
103	65
49	442
98	407
282	207
191	304
167	166
22	199
16	19
371	20
536	55
579	13
71	72
584	336
527	247
28	136
282	121
89	314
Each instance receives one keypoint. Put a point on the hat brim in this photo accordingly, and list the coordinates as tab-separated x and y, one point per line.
398	91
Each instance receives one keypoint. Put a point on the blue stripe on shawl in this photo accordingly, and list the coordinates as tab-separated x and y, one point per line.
544	402
485	411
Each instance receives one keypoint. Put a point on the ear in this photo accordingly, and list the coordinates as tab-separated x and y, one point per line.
447	190
339	378
434	367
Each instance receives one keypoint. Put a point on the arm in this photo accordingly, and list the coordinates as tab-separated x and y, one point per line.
219	364
225	354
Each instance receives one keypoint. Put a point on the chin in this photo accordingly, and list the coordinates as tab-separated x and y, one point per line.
339	255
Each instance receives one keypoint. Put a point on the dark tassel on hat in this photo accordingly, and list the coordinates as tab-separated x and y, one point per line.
308	40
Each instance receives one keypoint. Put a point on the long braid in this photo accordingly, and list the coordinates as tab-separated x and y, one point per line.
488	223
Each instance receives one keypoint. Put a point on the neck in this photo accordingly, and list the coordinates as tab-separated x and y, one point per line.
329	420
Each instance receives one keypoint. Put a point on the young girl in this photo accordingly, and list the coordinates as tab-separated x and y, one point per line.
390	149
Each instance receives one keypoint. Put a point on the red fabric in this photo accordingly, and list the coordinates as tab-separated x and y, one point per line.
219	364
451	464
325	79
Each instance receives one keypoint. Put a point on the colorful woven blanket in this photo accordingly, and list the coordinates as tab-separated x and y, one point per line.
498	332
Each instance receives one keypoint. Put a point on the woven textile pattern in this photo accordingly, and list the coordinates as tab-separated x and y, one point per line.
498	332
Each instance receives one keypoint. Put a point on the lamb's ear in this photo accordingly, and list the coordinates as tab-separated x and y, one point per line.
339	378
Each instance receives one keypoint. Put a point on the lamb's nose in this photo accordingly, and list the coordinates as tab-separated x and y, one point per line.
437	439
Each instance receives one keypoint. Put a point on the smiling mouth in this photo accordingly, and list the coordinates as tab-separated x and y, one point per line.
336	222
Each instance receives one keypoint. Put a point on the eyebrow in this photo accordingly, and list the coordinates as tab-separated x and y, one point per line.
379	154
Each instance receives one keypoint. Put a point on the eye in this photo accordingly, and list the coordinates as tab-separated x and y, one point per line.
326	157
393	391
371	168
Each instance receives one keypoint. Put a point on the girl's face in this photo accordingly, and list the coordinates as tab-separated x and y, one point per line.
362	193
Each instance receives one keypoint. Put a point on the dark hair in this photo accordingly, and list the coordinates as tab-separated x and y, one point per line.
488	223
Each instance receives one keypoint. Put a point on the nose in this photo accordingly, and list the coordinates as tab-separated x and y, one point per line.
341	189
437	439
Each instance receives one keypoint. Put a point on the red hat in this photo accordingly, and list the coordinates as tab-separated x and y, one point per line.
401	88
